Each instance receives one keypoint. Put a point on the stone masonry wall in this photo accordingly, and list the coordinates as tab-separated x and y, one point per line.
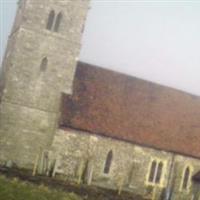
181	162
130	166
31	98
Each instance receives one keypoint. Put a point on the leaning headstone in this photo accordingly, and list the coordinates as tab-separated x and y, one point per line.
9	164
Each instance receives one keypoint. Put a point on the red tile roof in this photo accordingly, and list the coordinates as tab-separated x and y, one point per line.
127	108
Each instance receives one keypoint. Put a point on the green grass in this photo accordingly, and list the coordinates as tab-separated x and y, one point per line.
13	189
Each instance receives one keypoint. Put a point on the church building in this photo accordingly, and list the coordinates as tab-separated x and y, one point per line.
86	124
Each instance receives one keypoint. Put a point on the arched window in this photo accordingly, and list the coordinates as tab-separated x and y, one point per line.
58	21
186	178
159	172
83	28
50	20
108	162
152	171
155	173
43	65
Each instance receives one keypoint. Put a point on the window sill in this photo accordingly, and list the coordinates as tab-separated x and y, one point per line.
158	185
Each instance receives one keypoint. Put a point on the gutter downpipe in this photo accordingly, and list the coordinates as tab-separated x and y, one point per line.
171	180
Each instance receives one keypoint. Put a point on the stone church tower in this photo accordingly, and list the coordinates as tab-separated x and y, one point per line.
39	65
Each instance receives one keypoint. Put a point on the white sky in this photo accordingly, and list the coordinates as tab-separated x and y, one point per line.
153	40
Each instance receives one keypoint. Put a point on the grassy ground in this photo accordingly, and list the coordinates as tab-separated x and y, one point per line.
18	190
28	187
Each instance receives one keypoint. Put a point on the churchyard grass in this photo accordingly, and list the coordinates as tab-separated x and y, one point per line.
14	189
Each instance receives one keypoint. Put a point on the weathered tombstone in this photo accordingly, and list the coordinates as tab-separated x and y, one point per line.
80	171
9	164
90	174
57	167
87	174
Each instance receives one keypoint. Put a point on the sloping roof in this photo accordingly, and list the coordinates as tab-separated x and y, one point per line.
127	108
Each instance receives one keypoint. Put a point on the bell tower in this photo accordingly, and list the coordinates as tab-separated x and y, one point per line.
39	65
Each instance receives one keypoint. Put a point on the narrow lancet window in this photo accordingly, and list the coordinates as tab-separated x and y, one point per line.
43	65
159	172
108	162
58	21
156	171
152	171
186	178
50	20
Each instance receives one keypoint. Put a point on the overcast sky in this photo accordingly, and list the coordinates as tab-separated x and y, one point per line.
153	40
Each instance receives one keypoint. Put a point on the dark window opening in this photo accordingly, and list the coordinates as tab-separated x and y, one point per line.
152	171
43	65
108	162
50	20
83	28
58	21
186	178
159	172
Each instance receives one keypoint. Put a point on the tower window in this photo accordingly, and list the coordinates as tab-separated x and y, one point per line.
43	65
58	21
155	173
186	178
108	162
50	20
